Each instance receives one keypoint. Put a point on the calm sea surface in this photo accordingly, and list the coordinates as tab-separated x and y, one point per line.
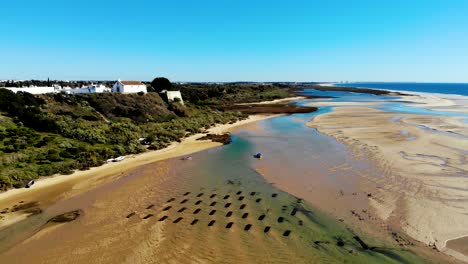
444	88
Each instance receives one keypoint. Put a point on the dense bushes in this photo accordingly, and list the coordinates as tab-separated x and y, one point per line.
57	134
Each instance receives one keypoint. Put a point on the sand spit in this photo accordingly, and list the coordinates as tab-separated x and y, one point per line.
423	187
48	190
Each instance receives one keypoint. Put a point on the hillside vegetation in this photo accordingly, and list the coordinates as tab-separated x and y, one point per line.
56	133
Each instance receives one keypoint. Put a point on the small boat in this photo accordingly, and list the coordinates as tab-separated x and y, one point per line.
29	184
258	156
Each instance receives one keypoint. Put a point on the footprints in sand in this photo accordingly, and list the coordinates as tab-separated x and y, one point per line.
256	217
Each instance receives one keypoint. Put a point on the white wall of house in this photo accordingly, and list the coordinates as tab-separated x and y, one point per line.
32	90
171	95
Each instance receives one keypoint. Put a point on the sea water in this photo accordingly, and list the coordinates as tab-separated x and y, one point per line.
443	88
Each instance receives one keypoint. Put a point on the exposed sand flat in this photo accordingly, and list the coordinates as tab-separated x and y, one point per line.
424	187
441	102
50	189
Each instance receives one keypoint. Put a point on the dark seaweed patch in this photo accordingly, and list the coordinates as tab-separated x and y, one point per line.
245	215
258	200
197	211
147	216
247	227
261	217
267	229
225	197
359	240
229	225
294	211
211	223
242	206
198	202
212	212
227	205
167	208
280	219
162	218
213	204
131	214
184	201
229	214
178	220
213	195
181	209
150	206
194	222
286	233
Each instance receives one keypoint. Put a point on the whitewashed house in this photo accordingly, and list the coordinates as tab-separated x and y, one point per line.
128	87
90	89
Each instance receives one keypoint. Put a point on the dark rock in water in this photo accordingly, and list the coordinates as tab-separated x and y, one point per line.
224	138
340	243
131	214
148	216
369	195
66	217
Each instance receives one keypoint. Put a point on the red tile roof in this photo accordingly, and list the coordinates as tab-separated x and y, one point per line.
131	82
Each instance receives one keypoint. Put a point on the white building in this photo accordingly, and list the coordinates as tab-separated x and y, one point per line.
172	95
90	89
33	89
128	87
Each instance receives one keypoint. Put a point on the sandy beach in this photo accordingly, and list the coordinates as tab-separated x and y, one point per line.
423	188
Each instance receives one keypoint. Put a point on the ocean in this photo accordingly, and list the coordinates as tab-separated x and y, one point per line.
443	88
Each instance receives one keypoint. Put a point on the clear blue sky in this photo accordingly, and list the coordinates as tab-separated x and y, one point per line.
234	40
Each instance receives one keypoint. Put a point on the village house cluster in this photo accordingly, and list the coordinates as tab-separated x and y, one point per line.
118	87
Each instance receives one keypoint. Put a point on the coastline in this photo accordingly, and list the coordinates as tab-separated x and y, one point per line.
48	190
432	101
422	188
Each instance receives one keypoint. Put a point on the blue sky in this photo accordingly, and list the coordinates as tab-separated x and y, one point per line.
236	40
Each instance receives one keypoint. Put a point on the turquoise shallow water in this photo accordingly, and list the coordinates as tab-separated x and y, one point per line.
386	103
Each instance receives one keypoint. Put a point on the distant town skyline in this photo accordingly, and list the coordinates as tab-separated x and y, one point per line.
226	41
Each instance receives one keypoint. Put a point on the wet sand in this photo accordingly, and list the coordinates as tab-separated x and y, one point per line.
423	186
